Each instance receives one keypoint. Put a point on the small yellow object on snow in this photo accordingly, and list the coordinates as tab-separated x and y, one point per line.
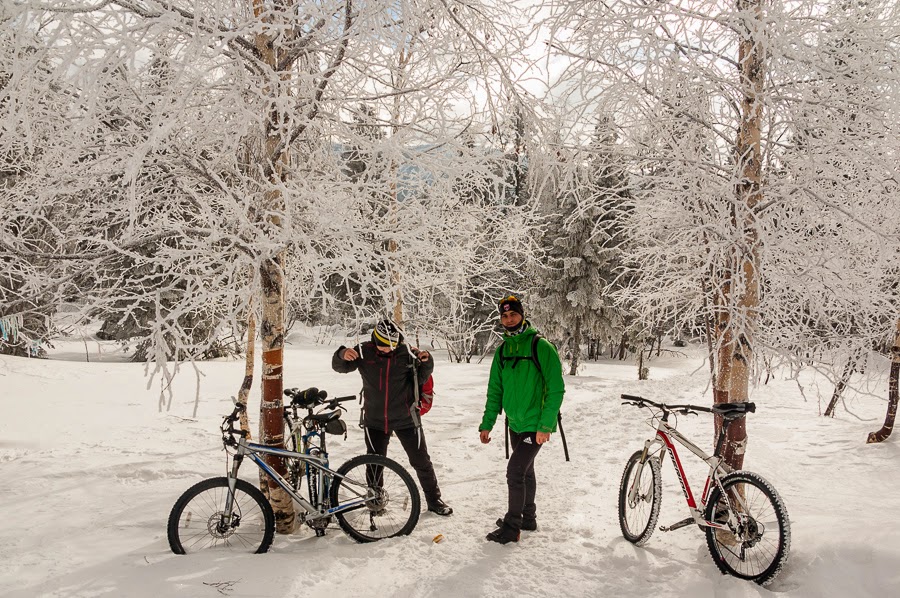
438	538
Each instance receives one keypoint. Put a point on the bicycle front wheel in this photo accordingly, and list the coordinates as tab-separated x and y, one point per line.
385	499
640	495
197	520
755	546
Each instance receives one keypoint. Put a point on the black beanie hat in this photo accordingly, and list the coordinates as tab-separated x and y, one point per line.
387	334
511	303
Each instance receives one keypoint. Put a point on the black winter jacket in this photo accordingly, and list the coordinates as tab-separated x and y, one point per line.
388	391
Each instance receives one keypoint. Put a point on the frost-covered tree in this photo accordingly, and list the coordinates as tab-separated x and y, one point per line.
463	309
31	108
584	197
740	248
195	159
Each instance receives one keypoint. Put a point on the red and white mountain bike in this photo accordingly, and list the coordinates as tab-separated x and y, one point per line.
746	524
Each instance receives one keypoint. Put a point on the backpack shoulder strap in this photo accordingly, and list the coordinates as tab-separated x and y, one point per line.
534	343
534	358
502	354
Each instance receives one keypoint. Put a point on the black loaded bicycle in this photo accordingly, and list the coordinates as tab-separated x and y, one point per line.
372	497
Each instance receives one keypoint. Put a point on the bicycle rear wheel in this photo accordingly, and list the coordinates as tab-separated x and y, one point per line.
639	512
196	522
386	498
757	544
294	467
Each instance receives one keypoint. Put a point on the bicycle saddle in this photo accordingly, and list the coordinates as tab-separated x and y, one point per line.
733	410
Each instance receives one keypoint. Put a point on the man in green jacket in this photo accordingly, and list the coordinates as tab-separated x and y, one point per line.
531	398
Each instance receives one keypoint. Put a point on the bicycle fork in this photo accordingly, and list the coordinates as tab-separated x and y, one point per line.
228	519
634	491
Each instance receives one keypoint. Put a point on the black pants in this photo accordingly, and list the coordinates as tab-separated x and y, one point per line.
377	443
520	478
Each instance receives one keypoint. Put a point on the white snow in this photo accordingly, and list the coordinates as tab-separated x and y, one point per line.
91	468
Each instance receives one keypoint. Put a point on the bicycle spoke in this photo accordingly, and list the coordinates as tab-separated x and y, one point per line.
390	507
196	522
755	545
640	494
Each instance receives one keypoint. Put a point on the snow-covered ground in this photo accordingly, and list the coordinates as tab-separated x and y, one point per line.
91	468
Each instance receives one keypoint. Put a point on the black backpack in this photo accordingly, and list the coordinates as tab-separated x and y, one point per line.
533	359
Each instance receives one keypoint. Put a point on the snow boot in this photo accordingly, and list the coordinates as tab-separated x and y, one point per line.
529	525
440	507
504	535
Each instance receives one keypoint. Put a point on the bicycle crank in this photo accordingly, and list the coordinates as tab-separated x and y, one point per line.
683	523
319	525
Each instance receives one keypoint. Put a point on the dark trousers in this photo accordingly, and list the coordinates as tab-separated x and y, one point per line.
377	443
520	478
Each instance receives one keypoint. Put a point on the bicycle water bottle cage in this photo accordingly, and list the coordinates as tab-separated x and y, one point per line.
731	411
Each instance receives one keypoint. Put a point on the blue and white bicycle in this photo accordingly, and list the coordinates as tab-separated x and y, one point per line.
371	497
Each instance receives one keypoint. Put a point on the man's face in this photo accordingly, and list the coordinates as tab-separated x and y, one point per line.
510	319
384	349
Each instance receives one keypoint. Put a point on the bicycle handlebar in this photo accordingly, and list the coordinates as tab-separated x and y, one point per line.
336	402
227	426
343	399
238	409
642	402
309	398
728	410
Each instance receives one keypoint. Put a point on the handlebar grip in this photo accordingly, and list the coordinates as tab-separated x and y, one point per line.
632	398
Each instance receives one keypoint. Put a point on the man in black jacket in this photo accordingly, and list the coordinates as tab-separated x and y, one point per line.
385	364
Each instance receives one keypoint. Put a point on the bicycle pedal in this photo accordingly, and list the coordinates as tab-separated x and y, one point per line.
683	523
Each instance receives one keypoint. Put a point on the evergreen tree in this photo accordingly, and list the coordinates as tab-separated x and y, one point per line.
585	203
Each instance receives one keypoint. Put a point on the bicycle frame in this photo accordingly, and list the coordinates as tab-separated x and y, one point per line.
665	435
254	452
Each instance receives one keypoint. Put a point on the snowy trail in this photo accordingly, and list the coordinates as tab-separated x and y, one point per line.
92	469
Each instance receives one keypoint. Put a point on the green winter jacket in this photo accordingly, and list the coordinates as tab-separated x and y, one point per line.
531	400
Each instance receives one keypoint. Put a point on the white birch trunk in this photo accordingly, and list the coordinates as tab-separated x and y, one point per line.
739	297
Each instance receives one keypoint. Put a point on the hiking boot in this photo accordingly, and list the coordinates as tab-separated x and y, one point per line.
503	535
440	507
529	525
